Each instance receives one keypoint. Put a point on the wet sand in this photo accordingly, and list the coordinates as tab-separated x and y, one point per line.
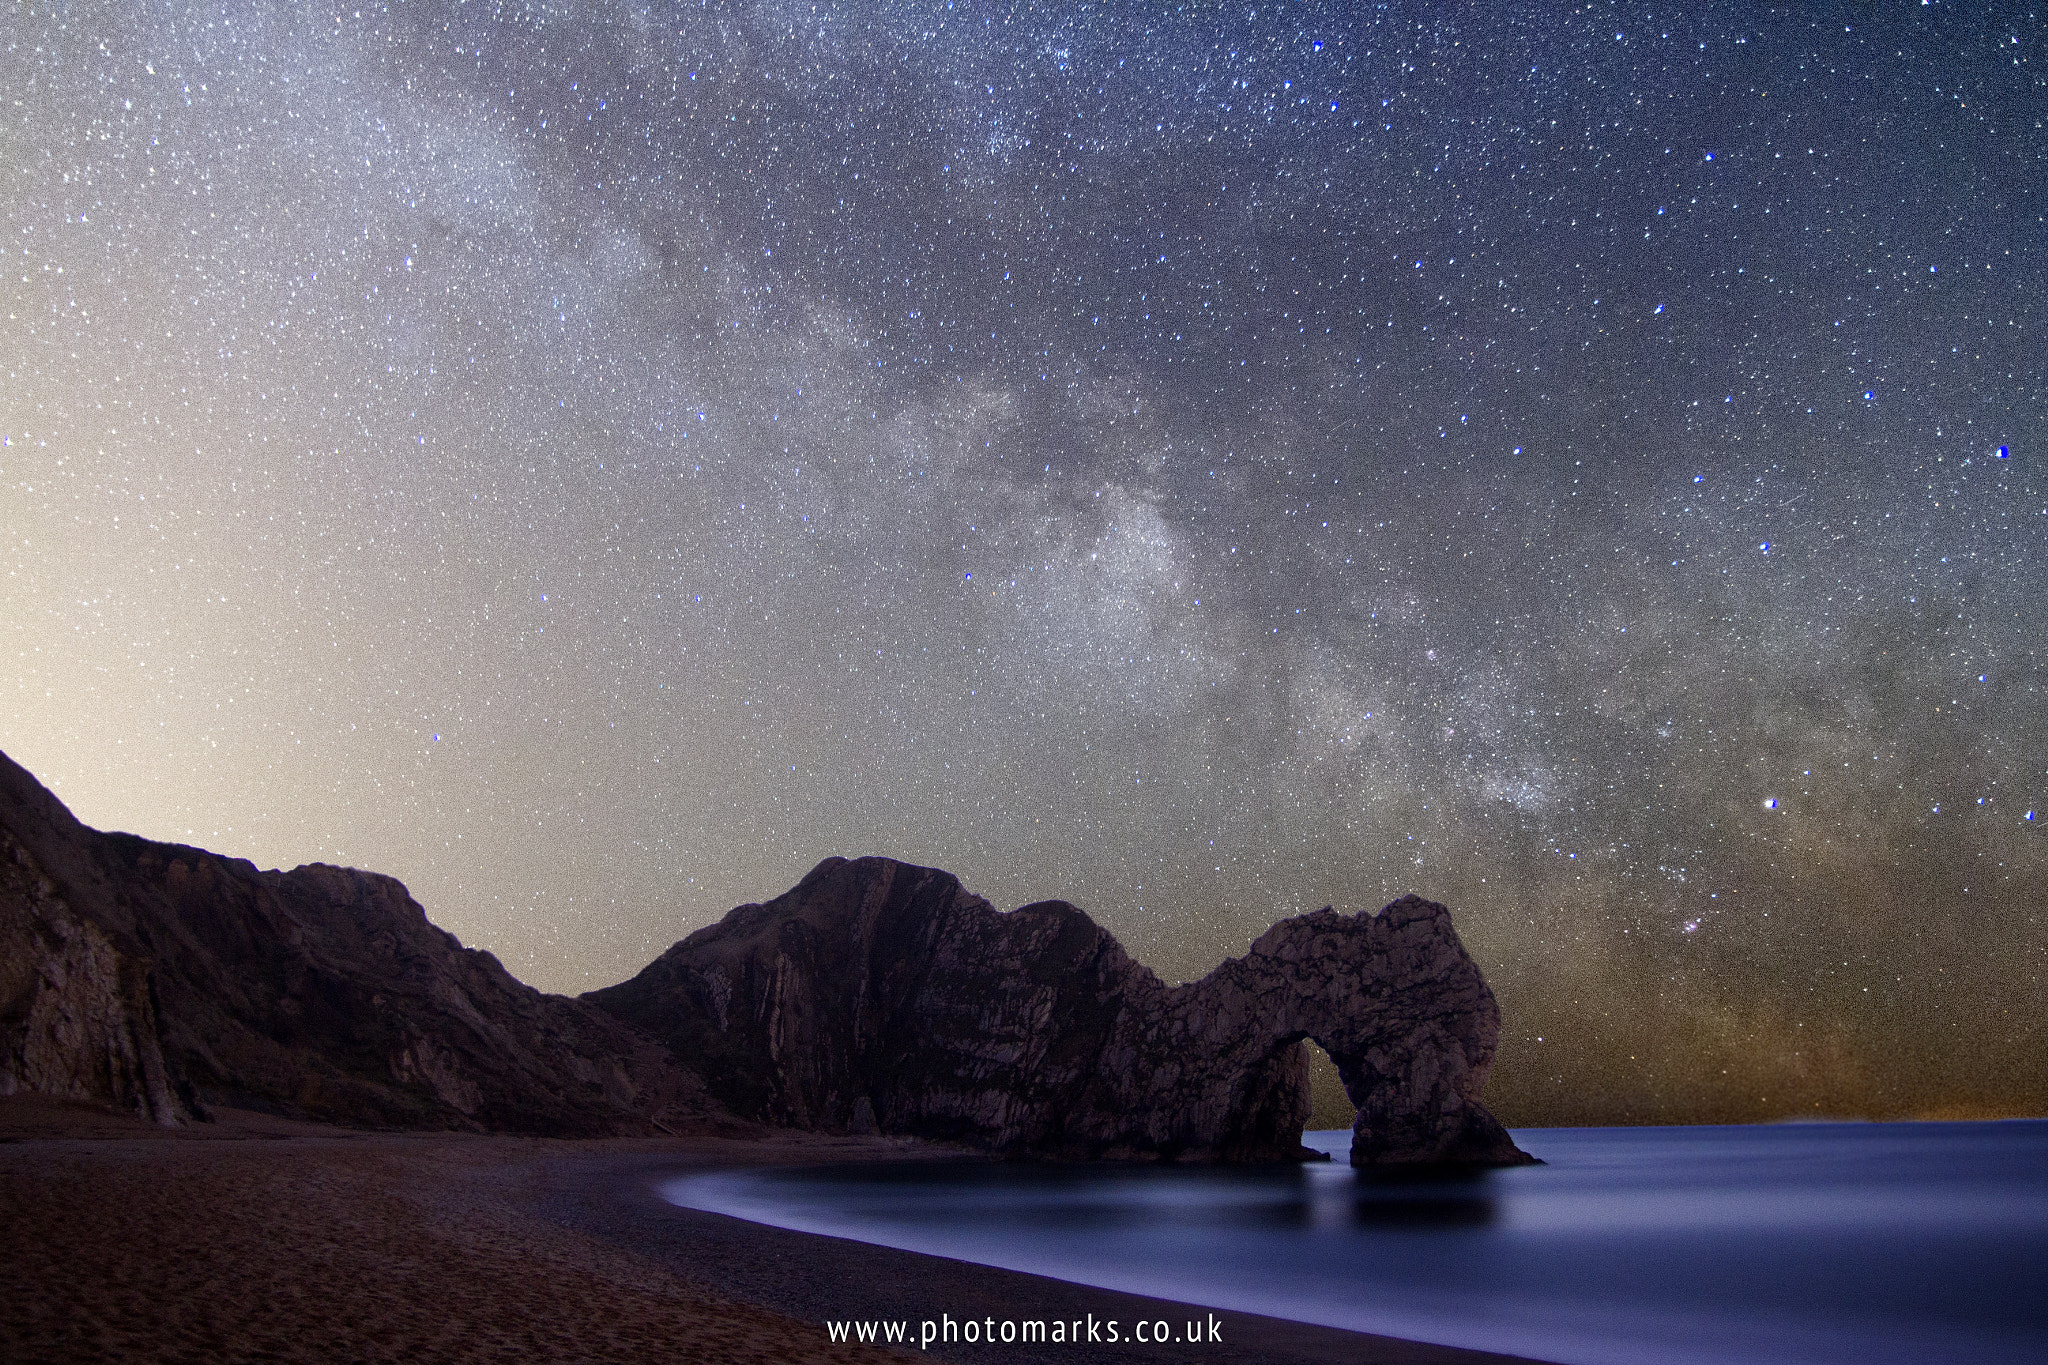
261	1239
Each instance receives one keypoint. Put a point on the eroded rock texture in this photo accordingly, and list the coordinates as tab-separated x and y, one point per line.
880	994
874	997
77	1015
164	978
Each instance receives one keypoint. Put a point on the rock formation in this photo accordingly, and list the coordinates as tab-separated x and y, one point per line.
873	997
880	995
163	978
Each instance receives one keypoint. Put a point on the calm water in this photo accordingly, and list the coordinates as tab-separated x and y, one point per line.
1865	1243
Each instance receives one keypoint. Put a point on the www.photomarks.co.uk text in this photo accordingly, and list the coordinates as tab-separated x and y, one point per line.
1087	1330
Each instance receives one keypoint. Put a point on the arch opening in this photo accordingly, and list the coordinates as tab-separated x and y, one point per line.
1329	1106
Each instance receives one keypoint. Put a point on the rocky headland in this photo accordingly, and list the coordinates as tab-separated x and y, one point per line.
880	996
874	997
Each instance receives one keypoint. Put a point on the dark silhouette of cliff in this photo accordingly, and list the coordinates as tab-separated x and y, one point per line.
873	997
164	979
881	996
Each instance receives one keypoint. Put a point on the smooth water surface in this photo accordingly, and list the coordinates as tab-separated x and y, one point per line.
1839	1242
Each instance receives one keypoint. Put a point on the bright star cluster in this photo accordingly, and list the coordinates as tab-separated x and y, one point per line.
1583	465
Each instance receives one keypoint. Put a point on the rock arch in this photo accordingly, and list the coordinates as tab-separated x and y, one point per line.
1398	1005
878	993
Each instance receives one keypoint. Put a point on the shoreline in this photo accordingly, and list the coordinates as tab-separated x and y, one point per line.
259	1237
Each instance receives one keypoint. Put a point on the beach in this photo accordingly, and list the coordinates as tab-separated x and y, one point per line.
260	1238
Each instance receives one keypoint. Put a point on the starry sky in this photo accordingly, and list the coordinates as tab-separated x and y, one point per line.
1583	465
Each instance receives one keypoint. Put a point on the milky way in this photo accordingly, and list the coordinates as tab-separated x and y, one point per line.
592	463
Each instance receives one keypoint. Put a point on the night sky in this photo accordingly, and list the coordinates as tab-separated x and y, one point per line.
1583	466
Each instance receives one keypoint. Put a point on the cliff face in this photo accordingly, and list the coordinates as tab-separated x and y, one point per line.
880	995
875	996
164	978
77	1015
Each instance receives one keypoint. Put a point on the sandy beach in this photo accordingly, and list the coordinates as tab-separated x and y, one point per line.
261	1239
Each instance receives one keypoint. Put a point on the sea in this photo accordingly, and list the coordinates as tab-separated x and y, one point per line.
1815	1243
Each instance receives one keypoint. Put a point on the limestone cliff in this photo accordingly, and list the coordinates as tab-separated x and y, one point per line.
77	1015
880	995
164	978
874	996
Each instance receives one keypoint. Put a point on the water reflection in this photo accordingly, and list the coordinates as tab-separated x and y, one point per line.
1413	1210
1101	1198
1851	1244
1421	1200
